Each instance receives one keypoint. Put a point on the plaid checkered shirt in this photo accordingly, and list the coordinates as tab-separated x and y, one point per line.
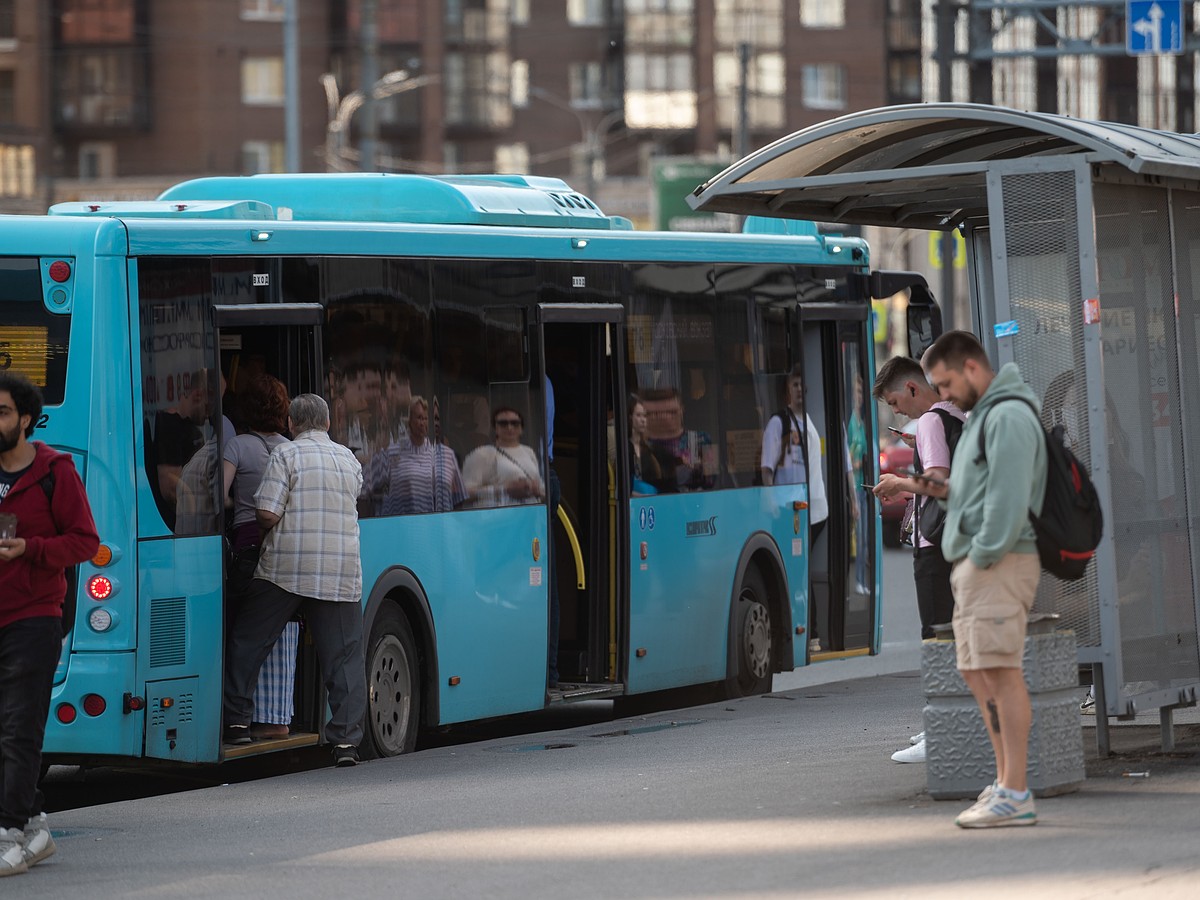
312	484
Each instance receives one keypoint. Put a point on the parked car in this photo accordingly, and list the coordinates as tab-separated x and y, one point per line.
896	458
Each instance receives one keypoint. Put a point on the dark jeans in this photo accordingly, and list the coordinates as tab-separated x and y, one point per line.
555	492
337	631
29	652
935	600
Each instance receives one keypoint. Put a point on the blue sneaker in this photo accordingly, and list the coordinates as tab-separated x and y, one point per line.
999	810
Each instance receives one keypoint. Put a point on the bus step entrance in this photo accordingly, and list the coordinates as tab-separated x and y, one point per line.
268	745
566	692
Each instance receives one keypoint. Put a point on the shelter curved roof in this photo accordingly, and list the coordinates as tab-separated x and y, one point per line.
925	165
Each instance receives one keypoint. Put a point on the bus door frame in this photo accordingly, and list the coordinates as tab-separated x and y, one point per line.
608	623
827	319
293	317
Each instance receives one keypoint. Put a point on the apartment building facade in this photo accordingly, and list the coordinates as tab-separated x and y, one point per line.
111	98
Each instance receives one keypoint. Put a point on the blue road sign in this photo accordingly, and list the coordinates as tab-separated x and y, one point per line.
1153	27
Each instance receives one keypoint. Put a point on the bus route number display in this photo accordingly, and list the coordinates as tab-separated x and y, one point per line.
25	349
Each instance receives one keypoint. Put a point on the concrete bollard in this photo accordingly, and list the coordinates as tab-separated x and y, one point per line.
958	754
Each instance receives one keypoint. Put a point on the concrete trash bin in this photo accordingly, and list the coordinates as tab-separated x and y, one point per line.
958	754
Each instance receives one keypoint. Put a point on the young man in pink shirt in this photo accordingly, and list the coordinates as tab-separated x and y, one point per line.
902	385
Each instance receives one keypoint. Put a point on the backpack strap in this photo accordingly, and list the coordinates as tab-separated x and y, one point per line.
982	455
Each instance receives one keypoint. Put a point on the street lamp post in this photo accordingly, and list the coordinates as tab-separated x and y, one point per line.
341	109
591	135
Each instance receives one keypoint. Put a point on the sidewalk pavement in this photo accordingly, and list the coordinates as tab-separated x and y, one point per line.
787	795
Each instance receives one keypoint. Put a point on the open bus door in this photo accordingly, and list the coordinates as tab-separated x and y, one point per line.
283	340
582	360
843	563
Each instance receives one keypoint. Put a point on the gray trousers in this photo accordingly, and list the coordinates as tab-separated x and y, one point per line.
336	630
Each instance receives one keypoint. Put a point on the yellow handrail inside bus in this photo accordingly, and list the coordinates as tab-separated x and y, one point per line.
580	575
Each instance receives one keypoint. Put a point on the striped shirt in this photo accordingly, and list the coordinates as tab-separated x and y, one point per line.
414	479
312	484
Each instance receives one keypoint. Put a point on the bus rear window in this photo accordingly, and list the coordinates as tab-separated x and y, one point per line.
33	341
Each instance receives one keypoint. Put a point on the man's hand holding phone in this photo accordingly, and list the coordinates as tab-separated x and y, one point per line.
909	439
931	486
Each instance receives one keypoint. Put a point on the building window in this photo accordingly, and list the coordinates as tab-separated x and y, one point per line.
17	170
520	83
823	13
765	85
477	21
8	29
97	88
262	81
96	21
477	89
8	96
659	22
512	159
659	90
519	14
756	22
261	157
585	12
587	84
824	86
97	160
264	10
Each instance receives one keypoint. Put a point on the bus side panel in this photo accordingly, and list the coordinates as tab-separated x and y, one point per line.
680	593
112	732
180	636
487	593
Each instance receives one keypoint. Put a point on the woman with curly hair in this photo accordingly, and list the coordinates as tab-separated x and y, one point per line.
266	414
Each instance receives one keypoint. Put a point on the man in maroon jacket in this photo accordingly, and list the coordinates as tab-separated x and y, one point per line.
54	529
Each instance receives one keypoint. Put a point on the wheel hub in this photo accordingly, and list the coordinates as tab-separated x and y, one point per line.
756	640
390	693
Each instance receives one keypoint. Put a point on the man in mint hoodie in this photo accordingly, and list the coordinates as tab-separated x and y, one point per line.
990	542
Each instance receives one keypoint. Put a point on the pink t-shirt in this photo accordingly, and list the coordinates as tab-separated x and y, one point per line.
931	444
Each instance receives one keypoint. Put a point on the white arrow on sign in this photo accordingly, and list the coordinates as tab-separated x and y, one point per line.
1150	27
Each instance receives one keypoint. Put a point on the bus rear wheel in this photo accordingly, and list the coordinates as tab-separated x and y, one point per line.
393	686
752	630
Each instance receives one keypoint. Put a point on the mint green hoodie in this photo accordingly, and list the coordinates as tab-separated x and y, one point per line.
987	512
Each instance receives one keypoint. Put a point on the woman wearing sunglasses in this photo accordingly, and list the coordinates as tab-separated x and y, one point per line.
504	473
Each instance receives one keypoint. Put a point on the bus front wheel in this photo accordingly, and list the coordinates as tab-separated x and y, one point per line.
752	631
393	685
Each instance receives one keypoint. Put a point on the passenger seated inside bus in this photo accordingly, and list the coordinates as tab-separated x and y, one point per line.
415	475
245	460
504	473
645	471
689	457
174	436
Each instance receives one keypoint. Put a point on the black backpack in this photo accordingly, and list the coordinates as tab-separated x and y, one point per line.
931	515
1069	529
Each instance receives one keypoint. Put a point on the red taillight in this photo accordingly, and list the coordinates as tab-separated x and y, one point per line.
99	587
883	462
65	713
93	704
60	271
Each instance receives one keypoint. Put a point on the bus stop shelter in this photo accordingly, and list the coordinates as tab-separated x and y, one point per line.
1083	253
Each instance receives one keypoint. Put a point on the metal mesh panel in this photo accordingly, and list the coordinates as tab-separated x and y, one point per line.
1147	430
1041	234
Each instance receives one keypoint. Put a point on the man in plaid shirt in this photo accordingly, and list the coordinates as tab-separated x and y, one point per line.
308	505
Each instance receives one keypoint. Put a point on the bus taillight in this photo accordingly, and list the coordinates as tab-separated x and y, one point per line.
103	556
93	704
99	587
59	271
65	713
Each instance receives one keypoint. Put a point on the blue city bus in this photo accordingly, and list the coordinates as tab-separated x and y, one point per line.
478	294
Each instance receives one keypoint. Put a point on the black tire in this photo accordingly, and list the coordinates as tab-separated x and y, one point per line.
393	686
752	638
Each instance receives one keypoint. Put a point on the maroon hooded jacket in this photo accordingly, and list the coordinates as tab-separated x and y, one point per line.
35	583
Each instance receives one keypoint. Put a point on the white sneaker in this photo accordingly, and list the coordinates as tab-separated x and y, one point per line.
917	738
39	842
1088	706
12	852
913	754
814	645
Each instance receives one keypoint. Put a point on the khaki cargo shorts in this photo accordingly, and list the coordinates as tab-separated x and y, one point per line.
991	609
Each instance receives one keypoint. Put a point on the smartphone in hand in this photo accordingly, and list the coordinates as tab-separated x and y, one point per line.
928	479
895	430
